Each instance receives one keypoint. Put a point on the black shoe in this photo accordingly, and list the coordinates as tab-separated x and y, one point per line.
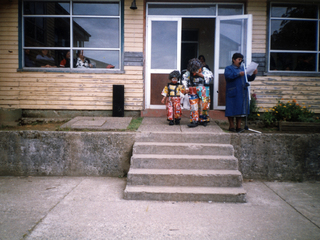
239	129
193	124
232	130
171	122
203	123
177	121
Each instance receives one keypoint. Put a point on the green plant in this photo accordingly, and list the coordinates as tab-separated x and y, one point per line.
290	111
254	109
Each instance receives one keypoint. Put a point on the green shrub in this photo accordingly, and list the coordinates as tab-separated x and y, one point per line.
254	109
290	112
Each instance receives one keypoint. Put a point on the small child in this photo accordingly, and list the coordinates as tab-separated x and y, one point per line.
171	95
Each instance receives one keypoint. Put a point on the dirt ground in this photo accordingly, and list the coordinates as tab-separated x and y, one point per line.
54	126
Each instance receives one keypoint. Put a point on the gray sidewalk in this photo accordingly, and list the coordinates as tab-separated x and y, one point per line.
94	208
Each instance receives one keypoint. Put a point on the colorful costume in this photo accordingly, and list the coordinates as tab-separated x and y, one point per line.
172	91
236	92
199	95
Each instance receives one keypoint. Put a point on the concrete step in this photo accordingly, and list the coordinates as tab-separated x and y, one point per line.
165	193
161	161
184	177
183	148
183	137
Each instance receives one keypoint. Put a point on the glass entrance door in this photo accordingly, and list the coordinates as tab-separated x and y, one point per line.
233	34
163	56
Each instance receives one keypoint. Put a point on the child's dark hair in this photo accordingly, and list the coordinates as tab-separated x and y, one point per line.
175	74
194	65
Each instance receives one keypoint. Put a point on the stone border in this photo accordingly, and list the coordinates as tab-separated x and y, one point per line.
283	157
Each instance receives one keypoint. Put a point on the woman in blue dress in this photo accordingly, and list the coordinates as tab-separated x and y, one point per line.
236	92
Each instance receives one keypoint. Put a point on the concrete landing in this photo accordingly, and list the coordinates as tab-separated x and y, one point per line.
162	125
98	123
94	208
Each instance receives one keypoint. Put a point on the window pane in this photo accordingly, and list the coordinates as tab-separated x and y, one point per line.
46	8
294	11
292	61
30	58
232	39
102	9
43	58
96	32
225	10
63	58
293	35
46	32
95	59
164	45
179	9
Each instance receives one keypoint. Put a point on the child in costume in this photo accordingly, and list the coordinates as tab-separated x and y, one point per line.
172	97
196	82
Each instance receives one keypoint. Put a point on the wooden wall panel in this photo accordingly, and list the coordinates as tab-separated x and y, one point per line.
134	27
70	91
269	90
258	9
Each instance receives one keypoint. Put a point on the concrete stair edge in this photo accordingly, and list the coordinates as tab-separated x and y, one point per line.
184	177
183	148
165	193
183	137
158	161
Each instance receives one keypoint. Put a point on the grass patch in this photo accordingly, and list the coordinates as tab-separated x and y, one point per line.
135	124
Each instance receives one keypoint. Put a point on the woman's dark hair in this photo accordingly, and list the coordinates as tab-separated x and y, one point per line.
174	74
237	55
201	56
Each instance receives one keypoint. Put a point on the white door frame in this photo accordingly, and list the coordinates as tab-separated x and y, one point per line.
149	71
217	69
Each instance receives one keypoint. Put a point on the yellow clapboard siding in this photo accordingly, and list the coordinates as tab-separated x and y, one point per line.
41	90
66	89
10	60
81	85
273	88
63	81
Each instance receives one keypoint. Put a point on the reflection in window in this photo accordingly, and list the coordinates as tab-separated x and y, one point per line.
293	35
47	32
95	32
178	9
47	40
46	8
95	59
164	44
293	38
230	9
293	62
293	11
110	9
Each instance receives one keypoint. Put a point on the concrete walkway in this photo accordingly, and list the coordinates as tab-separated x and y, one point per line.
94	208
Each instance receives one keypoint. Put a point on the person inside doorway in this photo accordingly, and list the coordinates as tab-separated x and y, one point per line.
237	102
203	62
196	82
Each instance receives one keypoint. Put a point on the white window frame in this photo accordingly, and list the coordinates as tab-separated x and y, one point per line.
72	48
